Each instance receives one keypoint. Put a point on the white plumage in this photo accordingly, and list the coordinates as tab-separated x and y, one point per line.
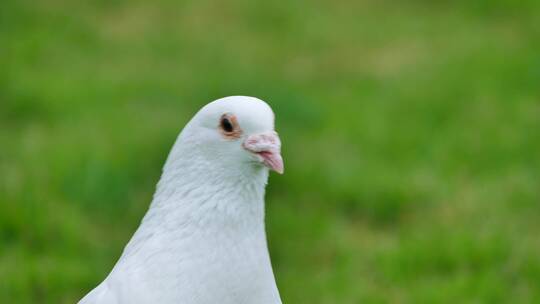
203	238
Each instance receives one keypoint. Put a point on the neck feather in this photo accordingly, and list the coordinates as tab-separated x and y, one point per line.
195	191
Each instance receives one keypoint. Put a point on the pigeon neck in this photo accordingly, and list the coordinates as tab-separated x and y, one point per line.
193	191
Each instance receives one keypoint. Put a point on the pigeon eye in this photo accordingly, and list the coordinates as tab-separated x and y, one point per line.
226	125
229	127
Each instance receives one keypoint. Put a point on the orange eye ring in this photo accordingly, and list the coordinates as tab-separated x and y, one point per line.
229	127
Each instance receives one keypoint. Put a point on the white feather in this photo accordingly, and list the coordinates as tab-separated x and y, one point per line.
203	238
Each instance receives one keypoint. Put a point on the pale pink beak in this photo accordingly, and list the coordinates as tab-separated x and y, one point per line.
267	147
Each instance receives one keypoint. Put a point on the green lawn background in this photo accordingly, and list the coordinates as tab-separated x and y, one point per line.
410	129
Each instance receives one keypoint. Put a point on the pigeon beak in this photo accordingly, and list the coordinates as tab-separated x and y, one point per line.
267	147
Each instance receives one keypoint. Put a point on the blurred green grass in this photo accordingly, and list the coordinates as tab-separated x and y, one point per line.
411	138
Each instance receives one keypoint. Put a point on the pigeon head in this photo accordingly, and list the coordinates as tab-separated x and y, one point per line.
235	132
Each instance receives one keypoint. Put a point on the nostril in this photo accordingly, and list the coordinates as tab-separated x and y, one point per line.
262	142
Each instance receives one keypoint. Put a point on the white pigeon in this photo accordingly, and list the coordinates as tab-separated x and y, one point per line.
203	238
